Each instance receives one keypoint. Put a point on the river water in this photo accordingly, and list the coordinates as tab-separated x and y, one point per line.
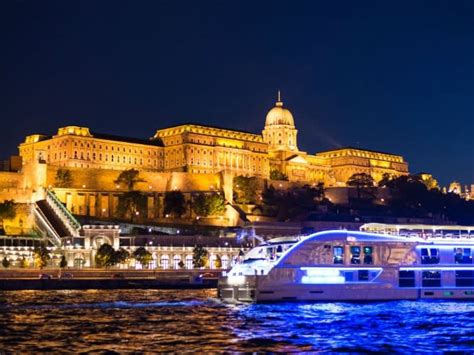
185	320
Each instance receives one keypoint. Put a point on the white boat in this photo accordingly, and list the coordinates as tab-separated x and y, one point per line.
352	266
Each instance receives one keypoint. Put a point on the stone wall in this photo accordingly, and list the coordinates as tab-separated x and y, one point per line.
103	180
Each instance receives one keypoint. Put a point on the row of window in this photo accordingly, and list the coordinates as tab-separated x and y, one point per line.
359	255
431	256
113	148
464	278
366	155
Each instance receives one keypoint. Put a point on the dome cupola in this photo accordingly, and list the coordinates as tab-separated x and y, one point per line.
279	131
279	115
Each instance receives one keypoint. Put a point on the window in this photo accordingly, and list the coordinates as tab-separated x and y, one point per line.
164	261
464	278
355	255
406	278
176	261
431	279
368	258
462	256
189	262
338	255
429	256
363	275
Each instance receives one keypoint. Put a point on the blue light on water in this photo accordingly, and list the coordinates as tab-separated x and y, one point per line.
194	321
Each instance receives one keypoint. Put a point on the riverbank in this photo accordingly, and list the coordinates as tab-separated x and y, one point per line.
83	279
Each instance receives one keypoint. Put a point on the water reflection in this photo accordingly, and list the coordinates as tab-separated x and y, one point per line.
168	320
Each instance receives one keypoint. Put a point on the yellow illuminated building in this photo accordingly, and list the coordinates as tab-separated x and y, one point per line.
187	157
199	149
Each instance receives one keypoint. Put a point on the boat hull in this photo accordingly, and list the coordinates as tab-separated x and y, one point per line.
251	292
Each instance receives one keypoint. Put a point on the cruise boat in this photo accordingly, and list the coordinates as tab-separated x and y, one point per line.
353	266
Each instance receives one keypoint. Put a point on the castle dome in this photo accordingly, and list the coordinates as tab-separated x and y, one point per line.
279	115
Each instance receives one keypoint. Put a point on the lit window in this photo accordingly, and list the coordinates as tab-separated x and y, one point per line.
429	256
368	258
338	255
462	256
355	255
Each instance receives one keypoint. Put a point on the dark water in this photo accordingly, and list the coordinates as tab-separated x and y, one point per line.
157	320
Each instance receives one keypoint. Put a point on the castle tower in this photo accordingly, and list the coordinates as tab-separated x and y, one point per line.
280	132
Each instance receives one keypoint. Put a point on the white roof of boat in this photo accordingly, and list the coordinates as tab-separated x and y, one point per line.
422	227
361	236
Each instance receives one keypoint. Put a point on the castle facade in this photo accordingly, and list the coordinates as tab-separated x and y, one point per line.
199	149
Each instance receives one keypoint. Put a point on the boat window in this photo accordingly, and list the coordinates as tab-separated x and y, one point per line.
429	256
464	278
363	275
368	258
431	279
406	278
349	276
338	255
355	255
462	256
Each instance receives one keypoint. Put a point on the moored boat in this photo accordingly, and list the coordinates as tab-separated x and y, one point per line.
353	266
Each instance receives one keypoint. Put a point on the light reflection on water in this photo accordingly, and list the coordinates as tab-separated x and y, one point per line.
169	320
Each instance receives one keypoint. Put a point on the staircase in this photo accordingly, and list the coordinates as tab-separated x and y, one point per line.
242	214
55	220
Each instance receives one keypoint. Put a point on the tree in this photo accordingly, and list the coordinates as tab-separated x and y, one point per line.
364	183
23	263
41	256
129	178
5	262
121	256
131	204
278	175
218	262
174	203
143	256
105	256
63	178
63	262
200	256
181	264
386	177
429	181
7	210
291	203
208	205
245	189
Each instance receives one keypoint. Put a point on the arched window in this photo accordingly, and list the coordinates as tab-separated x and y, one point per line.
189	262
164	261
176	260
225	261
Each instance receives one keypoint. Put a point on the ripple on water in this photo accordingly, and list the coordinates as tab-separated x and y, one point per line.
168	320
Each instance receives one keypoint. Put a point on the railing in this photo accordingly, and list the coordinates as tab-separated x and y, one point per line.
54	236
71	223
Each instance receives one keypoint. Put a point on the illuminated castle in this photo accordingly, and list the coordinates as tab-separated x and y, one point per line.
201	149
188	157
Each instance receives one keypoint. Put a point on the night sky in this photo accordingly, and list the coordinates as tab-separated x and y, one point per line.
391	76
